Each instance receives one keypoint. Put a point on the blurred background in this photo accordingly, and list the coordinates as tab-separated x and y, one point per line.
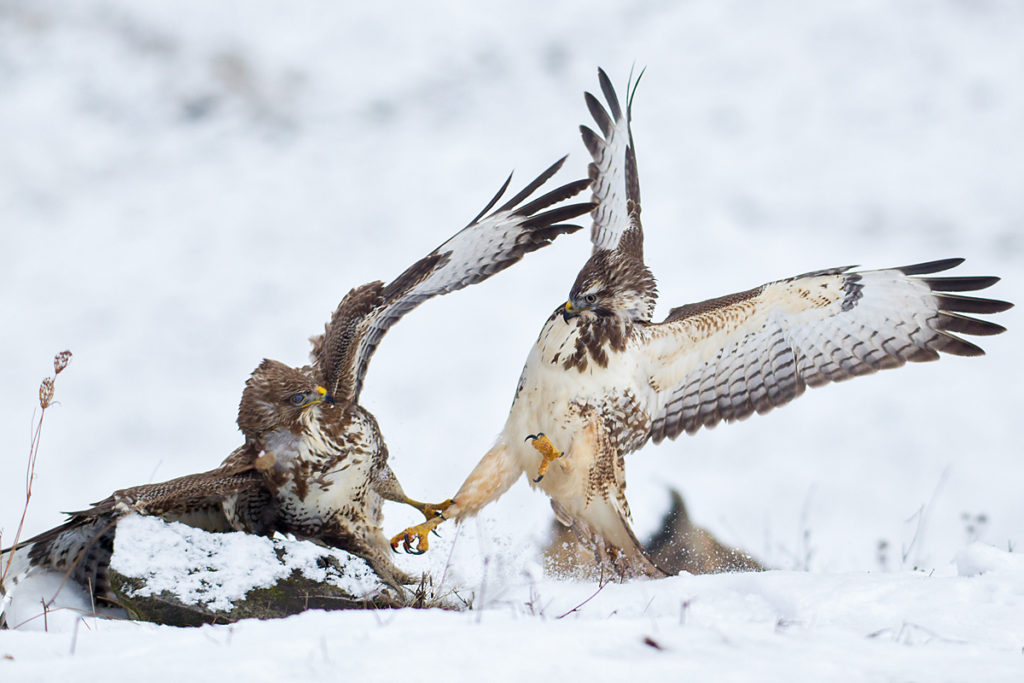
189	187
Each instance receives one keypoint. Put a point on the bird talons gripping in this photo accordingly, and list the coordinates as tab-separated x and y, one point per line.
547	450
414	539
430	510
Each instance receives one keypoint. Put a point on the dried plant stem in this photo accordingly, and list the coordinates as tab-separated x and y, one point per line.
46	391
30	474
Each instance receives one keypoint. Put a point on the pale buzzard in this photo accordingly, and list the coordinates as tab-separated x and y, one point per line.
604	379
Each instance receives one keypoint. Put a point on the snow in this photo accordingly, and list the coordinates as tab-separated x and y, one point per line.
979	558
194	566
188	187
776	626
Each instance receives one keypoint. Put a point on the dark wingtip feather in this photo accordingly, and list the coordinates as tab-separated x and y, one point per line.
534	184
537	237
609	94
971	304
601	117
949	343
593	142
547	234
494	200
554	196
921	355
960	284
930	266
558	214
967	325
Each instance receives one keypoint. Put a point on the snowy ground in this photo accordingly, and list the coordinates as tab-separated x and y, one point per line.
187	187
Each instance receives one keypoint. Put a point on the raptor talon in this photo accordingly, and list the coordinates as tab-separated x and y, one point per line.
547	451
430	511
414	539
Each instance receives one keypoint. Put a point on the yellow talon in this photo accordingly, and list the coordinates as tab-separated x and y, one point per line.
414	539
430	511
547	451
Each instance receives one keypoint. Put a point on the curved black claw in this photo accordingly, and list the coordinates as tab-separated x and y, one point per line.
409	549
434	531
537	480
533	437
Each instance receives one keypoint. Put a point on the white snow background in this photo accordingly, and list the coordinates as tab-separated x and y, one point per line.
187	187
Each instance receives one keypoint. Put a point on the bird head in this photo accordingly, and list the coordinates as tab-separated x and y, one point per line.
275	396
612	283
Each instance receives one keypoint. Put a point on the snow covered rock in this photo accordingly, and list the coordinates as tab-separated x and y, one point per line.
175	574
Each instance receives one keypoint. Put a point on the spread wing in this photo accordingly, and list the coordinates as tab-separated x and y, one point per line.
614	181
193	494
725	358
82	546
488	245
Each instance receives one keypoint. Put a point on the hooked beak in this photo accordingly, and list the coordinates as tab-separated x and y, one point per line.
568	310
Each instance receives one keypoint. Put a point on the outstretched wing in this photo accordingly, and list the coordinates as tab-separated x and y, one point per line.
725	358
614	181
195	499
82	546
488	245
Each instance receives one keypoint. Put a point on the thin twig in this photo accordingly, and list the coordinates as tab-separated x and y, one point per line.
922	515
600	587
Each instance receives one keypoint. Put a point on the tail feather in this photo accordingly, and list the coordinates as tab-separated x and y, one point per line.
679	545
607	534
81	548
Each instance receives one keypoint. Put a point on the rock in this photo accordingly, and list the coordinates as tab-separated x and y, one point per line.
170	573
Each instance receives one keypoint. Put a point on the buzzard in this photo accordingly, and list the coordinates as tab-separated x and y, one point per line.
604	378
314	462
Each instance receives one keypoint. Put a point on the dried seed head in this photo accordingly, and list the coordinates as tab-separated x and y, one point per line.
46	393
61	360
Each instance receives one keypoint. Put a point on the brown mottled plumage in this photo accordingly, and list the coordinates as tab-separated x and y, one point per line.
314	463
603	379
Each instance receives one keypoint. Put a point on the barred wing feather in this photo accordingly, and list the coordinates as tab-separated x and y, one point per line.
726	358
488	245
615	184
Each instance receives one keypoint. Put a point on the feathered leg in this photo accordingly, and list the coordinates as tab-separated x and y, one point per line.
493	475
389	488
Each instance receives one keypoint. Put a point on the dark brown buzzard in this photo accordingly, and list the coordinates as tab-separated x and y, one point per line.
314	463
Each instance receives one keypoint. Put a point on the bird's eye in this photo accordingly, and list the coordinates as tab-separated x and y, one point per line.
590	298
297	399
